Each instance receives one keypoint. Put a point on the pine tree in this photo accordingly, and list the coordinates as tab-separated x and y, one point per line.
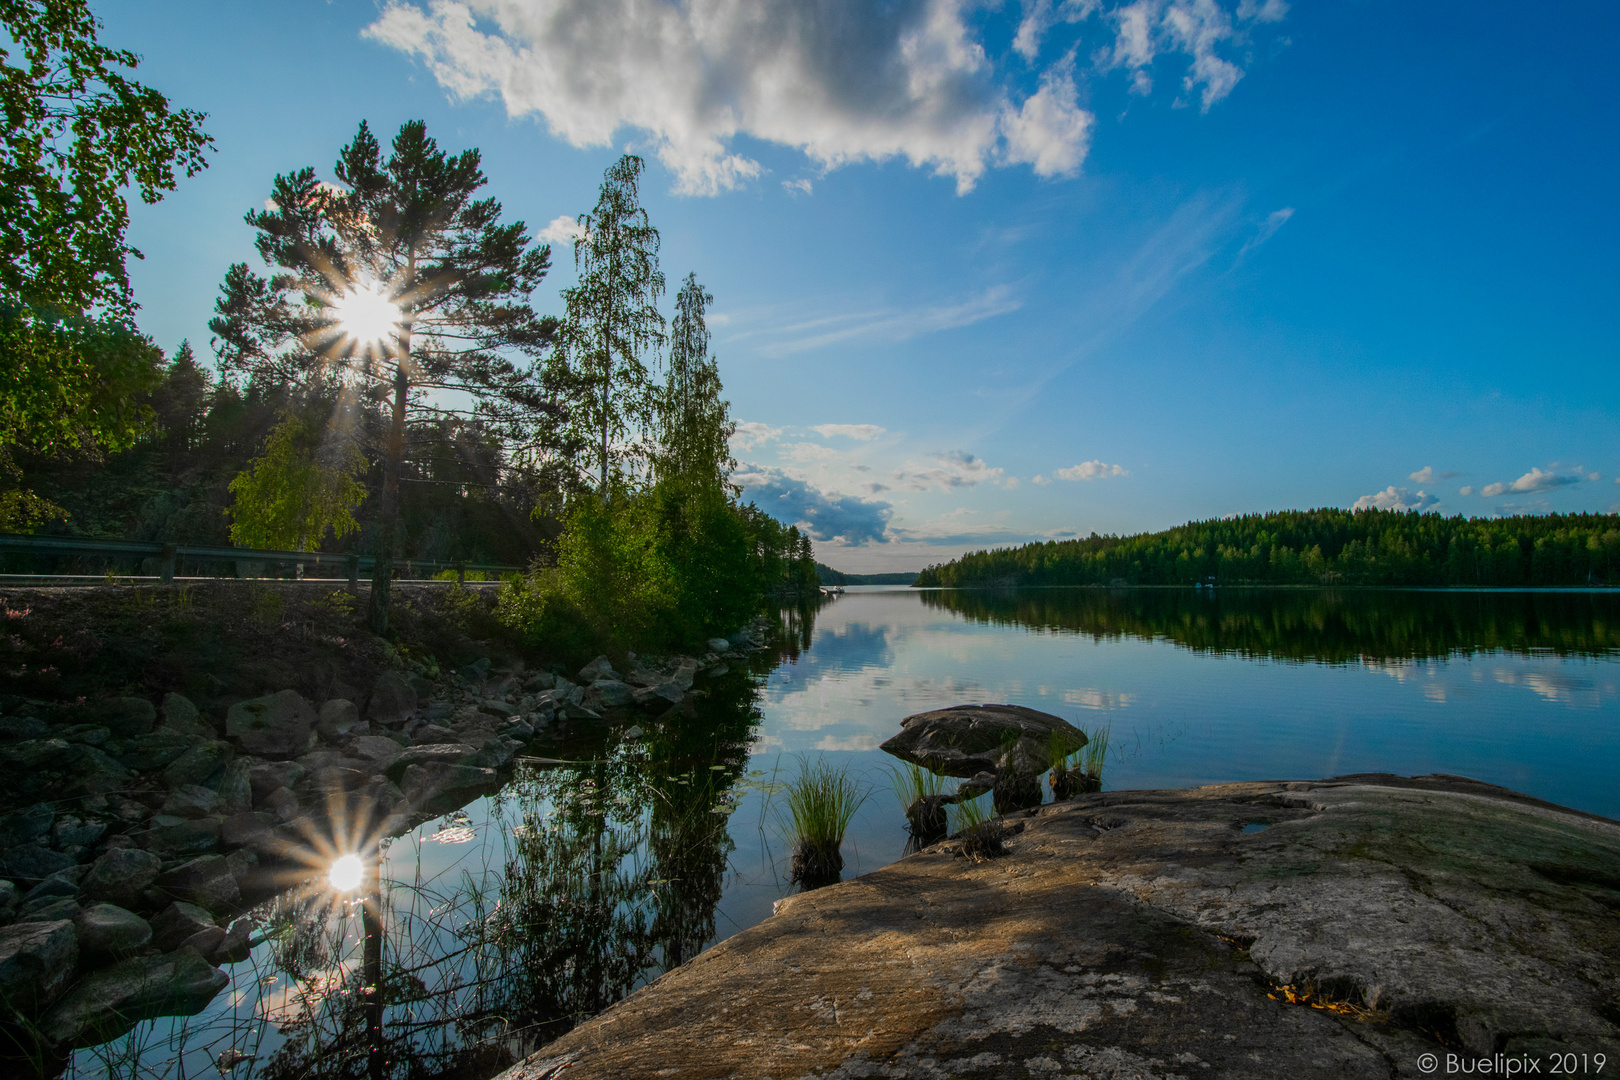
399	281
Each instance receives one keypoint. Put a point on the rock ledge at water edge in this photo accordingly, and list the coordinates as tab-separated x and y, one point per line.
1372	920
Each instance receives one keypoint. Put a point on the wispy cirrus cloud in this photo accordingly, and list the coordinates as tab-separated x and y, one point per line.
890	324
842	83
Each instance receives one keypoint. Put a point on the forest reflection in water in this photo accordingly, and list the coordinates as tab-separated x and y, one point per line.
1333	626
593	870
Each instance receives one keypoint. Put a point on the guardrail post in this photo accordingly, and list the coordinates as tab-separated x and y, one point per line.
354	573
461	574
166	571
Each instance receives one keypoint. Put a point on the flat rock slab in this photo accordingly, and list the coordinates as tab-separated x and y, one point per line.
1372	920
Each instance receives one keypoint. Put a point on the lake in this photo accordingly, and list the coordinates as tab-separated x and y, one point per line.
505	923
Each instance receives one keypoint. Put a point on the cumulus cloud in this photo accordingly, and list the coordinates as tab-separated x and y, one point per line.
949	471
842	83
752	433
1534	480
1466	490
1394	498
801	186
562	231
1147	29
1428	475
1091	470
1041	480
824	516
859	432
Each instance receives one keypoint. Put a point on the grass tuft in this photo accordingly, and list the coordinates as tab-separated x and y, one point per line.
1092	758
973	823
821	800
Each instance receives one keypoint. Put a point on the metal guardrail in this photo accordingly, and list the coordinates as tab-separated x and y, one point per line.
169	554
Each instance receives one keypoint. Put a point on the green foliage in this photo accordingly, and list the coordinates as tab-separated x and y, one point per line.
78	131
1094	755
821	800
299	489
913	783
694	422
1326	546
611	322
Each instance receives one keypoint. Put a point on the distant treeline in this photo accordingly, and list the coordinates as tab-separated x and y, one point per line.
1316	547
829	576
1330	626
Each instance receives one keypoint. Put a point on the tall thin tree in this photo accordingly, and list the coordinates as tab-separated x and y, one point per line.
611	323
695	425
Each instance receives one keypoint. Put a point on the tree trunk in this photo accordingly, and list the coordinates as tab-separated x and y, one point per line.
388	517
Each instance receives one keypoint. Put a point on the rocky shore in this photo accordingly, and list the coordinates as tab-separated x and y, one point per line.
151	828
1364	926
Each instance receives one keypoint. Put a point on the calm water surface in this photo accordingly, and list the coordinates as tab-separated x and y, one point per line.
510	920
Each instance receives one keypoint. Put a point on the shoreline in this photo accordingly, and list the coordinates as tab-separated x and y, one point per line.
1343	927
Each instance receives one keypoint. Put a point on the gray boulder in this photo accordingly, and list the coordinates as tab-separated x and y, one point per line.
25	825
440	786
8	900
659	696
180	714
70	833
441	753
339	721
121	875
246	829
965	740
154	750
268	776
281	804
126	716
392	700
108	1003
496	752
610	694
176	839
184	923
377	749
31	863
198	762
719	645
191	801
41	755
600	668
545	680
108	930
88	734
36	961
236	786
236	944
277	726
206	881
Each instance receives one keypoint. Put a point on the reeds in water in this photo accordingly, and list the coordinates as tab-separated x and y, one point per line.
1059	755
1091	760
821	800
977	828
923	795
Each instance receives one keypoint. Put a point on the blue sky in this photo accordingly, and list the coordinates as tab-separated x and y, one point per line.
987	273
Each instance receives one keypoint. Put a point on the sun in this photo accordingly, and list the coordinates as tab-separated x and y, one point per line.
366	314
346	872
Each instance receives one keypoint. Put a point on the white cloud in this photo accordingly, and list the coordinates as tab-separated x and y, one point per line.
950	471
859	432
842	83
1050	130
561	232
1091	470
1468	490
1534	480
1268	12
1041	480
1011	483
1268	228
1394	498
752	433
893	325
800	186
825	516
1428	475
